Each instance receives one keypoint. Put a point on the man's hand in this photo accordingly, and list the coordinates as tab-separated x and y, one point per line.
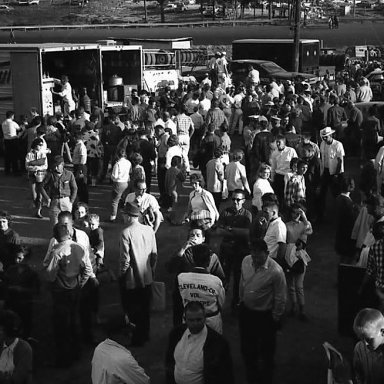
94	282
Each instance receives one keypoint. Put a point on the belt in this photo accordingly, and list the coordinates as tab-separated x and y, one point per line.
212	314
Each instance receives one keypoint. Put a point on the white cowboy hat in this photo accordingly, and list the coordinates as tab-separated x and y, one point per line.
326	131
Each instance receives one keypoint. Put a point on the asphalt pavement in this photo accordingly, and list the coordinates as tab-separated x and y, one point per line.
300	358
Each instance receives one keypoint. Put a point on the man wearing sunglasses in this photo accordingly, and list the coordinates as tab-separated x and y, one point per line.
233	225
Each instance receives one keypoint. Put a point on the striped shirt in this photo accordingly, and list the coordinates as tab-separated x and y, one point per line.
375	267
183	123
368	365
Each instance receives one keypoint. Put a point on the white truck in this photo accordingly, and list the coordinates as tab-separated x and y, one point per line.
27	73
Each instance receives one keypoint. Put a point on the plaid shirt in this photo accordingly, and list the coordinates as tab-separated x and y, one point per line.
183	123
375	267
295	190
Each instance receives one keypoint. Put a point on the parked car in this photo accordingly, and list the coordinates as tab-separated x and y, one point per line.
267	69
376	80
5	8
28	2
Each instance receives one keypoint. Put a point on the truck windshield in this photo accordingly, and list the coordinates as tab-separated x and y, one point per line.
271	67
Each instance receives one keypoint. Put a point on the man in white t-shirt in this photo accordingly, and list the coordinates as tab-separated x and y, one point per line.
276	235
253	75
10	133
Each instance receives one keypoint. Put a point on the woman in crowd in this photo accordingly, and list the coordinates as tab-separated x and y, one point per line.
81	216
201	205
298	229
36	164
261	186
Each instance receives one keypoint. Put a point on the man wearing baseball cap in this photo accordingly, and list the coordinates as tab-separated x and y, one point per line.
331	166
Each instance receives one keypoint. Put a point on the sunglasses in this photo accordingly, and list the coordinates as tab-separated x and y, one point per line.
234	199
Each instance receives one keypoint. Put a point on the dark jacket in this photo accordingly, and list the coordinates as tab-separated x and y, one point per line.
217	357
63	185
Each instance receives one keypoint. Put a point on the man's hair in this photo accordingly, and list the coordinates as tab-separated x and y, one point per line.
268	198
194	306
137	158
176	161
238	155
64	214
271	204
194	226
9	114
60	232
5	215
137	182
259	245
10	322
281	138
367	318
238	191
201	255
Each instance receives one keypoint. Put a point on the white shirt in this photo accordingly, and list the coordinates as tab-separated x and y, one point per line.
280	160
260	187
330	154
114	364
121	171
205	106
276	233
80	154
172	151
171	125
208	290
143	203
235	174
10	129
189	358
254	75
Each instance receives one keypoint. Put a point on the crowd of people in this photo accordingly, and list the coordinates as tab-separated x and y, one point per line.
260	159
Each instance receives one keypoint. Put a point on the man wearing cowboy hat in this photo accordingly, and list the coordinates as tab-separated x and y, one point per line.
331	165
138	256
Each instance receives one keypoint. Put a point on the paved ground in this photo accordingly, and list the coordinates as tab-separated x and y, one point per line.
300	358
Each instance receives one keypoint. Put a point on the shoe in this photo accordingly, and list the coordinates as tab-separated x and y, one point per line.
112	219
39	215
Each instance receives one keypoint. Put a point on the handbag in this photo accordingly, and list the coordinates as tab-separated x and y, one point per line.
158	296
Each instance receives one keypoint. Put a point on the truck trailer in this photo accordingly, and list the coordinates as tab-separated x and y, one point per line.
280	51
28	73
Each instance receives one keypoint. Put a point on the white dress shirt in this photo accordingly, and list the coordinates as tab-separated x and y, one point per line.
189	358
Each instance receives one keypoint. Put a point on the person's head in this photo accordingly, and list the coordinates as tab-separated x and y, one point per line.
280	142
238	199
5	221
378	229
296	210
369	327
65	218
196	235
52	121
81	210
119	329
64	79
302	167
375	205
36	144
176	161
326	135
10	115
268	198
201	255
58	164
259	252
264	171
94	221
197	182
121	153
271	210
61	233
131	213
33	112
238	155
172	141
140	187
218	153
136	158
194	315
293	164
10	326
347	184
